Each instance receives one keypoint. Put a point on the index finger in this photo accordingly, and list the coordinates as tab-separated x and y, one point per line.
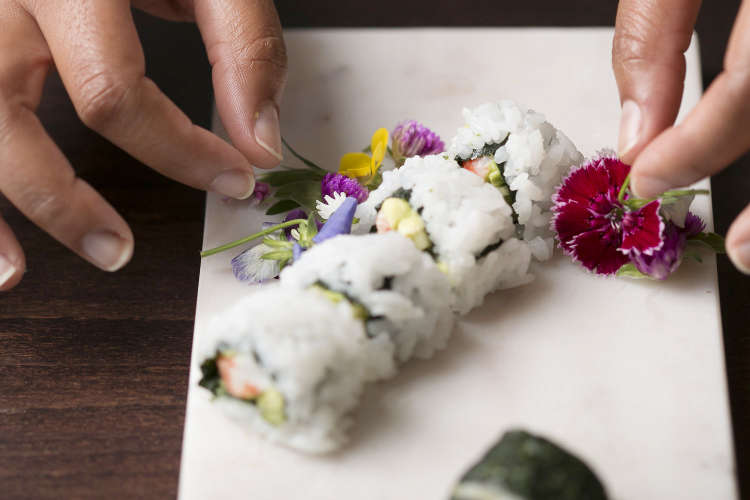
713	135
247	53
96	49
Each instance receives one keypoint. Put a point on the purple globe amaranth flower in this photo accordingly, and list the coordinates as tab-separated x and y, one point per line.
411	138
339	183
594	227
667	259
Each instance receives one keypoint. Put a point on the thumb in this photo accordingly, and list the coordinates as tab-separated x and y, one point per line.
651	37
247	53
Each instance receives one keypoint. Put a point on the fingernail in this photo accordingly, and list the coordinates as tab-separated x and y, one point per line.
267	131
740	256
648	187
630	127
106	249
236	184
6	270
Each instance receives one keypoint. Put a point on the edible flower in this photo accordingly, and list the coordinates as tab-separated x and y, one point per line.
592	223
363	165
411	138
665	261
250	267
293	214
261	191
340	222
339	183
329	205
601	225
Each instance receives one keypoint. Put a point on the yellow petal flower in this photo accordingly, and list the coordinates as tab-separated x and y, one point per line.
355	165
378	146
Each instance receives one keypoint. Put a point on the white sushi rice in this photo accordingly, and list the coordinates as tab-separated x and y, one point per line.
536	156
400	287
315	352
463	216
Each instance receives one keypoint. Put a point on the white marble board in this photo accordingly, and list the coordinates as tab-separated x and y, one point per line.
629	374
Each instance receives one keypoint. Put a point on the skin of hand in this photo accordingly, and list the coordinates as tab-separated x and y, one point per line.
651	37
95	48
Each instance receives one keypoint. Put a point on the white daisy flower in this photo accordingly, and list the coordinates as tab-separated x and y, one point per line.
329	204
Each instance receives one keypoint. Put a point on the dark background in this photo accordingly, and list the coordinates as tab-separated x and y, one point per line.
94	366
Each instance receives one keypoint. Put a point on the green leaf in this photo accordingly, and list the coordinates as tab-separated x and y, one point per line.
630	271
312	227
712	240
276	255
270	242
300	157
692	254
283	177
305	193
282	206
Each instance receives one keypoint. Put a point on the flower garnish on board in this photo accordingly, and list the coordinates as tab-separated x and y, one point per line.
411	138
363	166
601	225
340	222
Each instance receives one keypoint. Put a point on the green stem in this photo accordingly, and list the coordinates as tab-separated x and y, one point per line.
301	158
252	237
685	192
625	184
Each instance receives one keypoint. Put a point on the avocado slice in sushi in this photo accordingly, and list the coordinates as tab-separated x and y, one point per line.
522	466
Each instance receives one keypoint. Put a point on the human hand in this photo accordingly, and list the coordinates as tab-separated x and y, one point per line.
95	47
647	55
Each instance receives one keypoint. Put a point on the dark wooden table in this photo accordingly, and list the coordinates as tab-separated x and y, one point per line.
94	366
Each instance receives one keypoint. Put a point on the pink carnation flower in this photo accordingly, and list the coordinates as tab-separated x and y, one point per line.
594	227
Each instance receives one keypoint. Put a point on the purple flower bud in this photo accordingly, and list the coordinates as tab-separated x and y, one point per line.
668	258
297	213
261	191
411	138
339	183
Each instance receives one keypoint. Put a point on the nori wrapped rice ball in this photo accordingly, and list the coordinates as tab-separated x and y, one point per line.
524	466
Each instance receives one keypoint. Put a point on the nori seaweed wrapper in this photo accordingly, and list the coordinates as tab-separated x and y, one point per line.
524	466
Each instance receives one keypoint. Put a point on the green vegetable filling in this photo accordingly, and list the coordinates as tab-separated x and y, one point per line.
358	310
270	402
496	175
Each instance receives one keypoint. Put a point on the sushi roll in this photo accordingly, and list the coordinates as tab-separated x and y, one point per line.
455	217
290	364
524	157
522	466
400	292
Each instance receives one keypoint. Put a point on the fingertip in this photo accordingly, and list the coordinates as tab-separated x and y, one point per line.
107	249
645	186
238	184
11	271
738	242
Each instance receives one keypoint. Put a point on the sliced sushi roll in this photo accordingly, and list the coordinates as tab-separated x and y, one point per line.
291	364
523	466
524	157
400	293
455	217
